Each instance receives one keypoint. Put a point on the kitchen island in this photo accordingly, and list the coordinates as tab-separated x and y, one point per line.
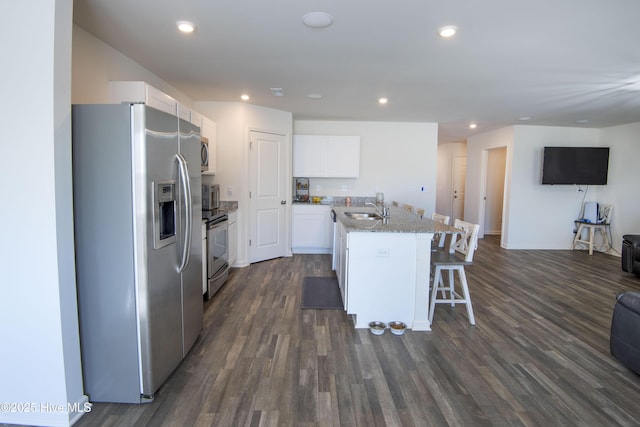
383	265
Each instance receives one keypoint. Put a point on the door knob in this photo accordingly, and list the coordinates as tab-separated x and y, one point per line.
283	202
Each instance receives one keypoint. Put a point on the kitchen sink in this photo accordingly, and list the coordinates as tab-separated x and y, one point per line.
362	215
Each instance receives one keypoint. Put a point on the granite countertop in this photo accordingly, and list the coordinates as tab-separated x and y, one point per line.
399	221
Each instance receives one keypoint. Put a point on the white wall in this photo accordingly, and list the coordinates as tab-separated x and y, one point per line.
624	176
95	64
38	313
446	154
536	216
475	183
496	168
395	158
234	121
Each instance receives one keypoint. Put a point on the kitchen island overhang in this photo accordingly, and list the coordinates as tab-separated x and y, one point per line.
383	266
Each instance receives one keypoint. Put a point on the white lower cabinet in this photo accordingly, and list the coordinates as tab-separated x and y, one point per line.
342	262
377	272
204	257
312	229
233	237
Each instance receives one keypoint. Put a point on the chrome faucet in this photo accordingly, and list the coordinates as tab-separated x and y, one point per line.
385	210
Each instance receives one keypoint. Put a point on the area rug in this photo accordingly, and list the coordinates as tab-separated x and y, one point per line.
321	293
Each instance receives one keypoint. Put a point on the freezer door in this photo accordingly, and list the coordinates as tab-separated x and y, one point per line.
155	145
192	309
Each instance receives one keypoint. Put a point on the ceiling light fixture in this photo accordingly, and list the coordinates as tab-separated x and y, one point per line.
245	97
186	26
448	31
383	101
473	126
317	19
314	95
582	121
524	118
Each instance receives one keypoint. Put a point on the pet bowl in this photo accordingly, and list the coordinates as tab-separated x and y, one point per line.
377	328
397	328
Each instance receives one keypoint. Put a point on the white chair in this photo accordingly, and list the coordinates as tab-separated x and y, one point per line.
441	236
602	224
464	246
407	208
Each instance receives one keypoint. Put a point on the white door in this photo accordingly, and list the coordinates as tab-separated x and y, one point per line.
457	196
267	180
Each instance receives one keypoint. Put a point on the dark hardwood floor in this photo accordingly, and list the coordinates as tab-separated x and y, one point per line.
538	356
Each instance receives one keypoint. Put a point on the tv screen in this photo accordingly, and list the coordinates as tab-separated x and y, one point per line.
575	165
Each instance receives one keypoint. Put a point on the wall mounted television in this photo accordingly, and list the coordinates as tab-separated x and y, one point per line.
575	165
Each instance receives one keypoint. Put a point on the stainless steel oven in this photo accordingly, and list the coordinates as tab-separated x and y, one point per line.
217	252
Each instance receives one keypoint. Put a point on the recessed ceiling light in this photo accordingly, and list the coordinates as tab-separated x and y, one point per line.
317	19
383	100
473	126
448	31
244	97
525	118
314	95
582	121
186	26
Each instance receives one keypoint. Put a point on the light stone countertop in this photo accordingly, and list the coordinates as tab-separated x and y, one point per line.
399	221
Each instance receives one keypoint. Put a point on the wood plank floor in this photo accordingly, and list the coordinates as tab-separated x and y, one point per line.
538	356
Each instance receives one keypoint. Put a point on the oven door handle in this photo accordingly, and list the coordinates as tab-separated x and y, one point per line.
186	188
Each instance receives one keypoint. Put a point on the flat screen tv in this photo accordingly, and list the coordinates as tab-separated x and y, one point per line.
575	165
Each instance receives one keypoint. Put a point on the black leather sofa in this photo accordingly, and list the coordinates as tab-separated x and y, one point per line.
625	330
631	253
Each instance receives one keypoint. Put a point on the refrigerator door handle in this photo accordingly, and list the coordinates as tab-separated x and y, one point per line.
186	188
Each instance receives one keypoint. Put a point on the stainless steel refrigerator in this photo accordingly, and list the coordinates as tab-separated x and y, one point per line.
137	216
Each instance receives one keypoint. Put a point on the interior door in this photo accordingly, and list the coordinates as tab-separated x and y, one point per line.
267	169
457	196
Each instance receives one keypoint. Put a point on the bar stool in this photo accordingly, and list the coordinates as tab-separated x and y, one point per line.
602	225
440	237
464	246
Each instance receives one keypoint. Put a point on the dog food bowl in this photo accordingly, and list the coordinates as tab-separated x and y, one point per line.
397	328
377	328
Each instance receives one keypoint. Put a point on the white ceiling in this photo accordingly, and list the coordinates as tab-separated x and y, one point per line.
555	61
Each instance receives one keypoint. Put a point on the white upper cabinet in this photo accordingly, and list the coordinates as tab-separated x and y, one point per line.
141	92
184	112
196	119
209	131
321	156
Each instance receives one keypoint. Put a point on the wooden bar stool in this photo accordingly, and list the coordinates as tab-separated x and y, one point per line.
464	246
602	225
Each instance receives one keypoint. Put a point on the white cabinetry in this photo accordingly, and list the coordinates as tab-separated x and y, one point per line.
209	131
196	119
322	156
380	270
233	237
184	112
342	262
141	92
312	229
204	257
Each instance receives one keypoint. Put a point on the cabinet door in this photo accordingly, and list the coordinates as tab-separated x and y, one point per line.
310	231
209	131
184	112
196	119
161	101
343	156
309	156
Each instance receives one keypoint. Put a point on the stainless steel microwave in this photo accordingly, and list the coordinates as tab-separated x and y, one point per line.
204	154
210	197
